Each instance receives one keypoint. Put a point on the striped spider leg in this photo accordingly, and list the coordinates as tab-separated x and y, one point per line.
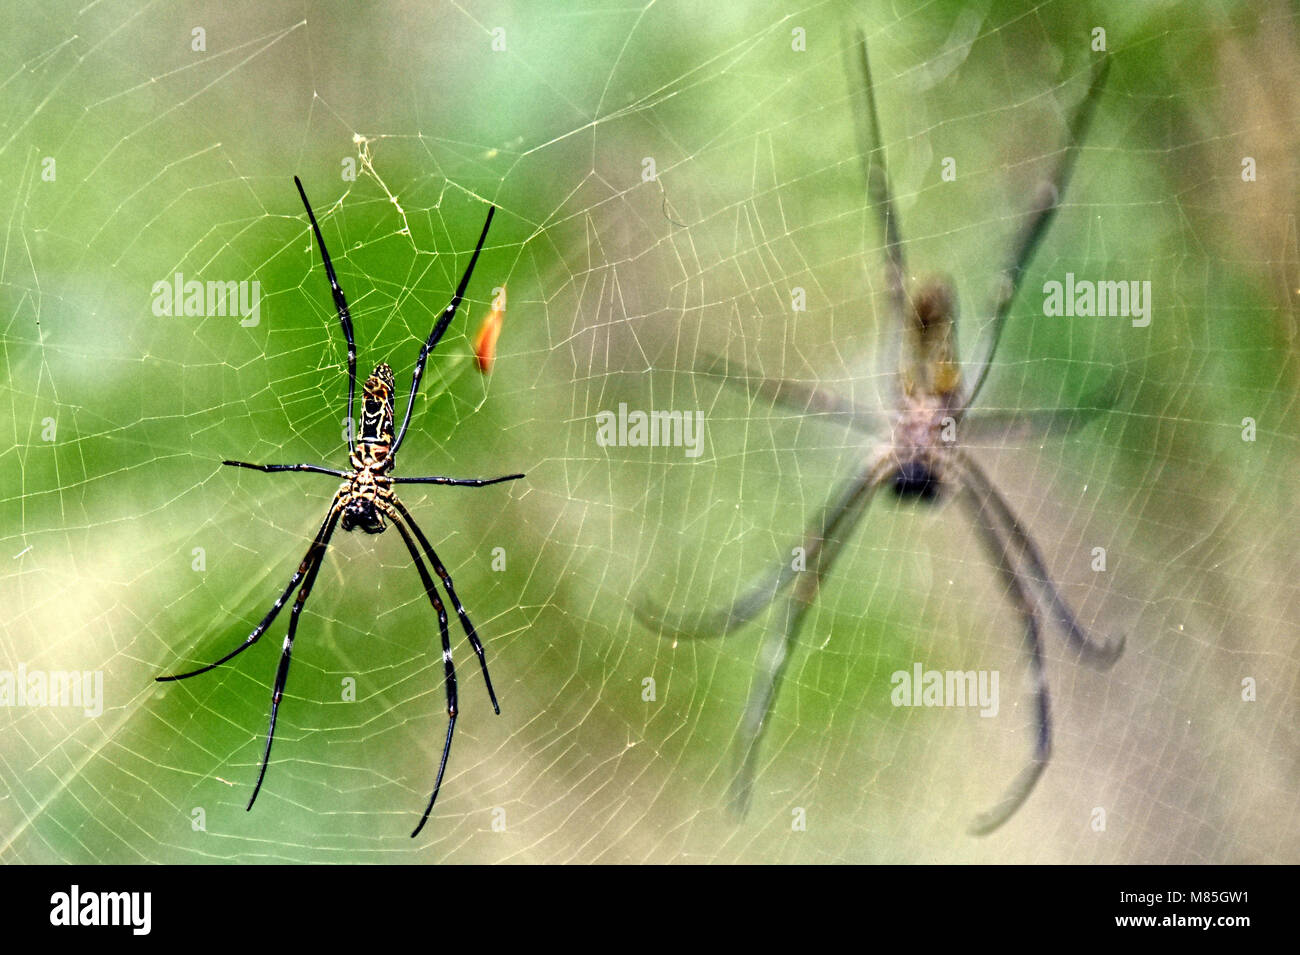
919	459
366	501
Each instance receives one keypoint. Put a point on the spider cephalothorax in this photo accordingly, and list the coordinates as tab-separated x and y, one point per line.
366	500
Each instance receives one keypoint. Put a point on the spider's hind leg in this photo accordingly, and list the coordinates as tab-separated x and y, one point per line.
759	596
449	665
316	549
1100	654
282	671
1021	566
441	570
822	552
1023	599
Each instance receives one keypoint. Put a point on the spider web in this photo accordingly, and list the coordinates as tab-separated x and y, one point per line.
620	286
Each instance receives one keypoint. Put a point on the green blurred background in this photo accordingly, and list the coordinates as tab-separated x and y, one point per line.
172	160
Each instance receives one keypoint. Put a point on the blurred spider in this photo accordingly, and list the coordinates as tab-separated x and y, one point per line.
921	459
364	501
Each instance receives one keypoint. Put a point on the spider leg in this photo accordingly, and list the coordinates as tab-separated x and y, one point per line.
440	327
317	547
459	482
314	468
800	397
447	585
1019	591
448	664
1100	655
345	317
821	556
872	150
282	671
1034	227
996	425
750	603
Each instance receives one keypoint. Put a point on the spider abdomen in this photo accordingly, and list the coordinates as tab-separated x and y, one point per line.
377	406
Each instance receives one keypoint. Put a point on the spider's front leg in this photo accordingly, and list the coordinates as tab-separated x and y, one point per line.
871	149
340	304
1034	227
440	328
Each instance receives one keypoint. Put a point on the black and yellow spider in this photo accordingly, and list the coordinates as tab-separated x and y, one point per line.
920	460
365	501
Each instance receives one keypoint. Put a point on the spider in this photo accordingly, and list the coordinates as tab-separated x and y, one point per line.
365	501
921	460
